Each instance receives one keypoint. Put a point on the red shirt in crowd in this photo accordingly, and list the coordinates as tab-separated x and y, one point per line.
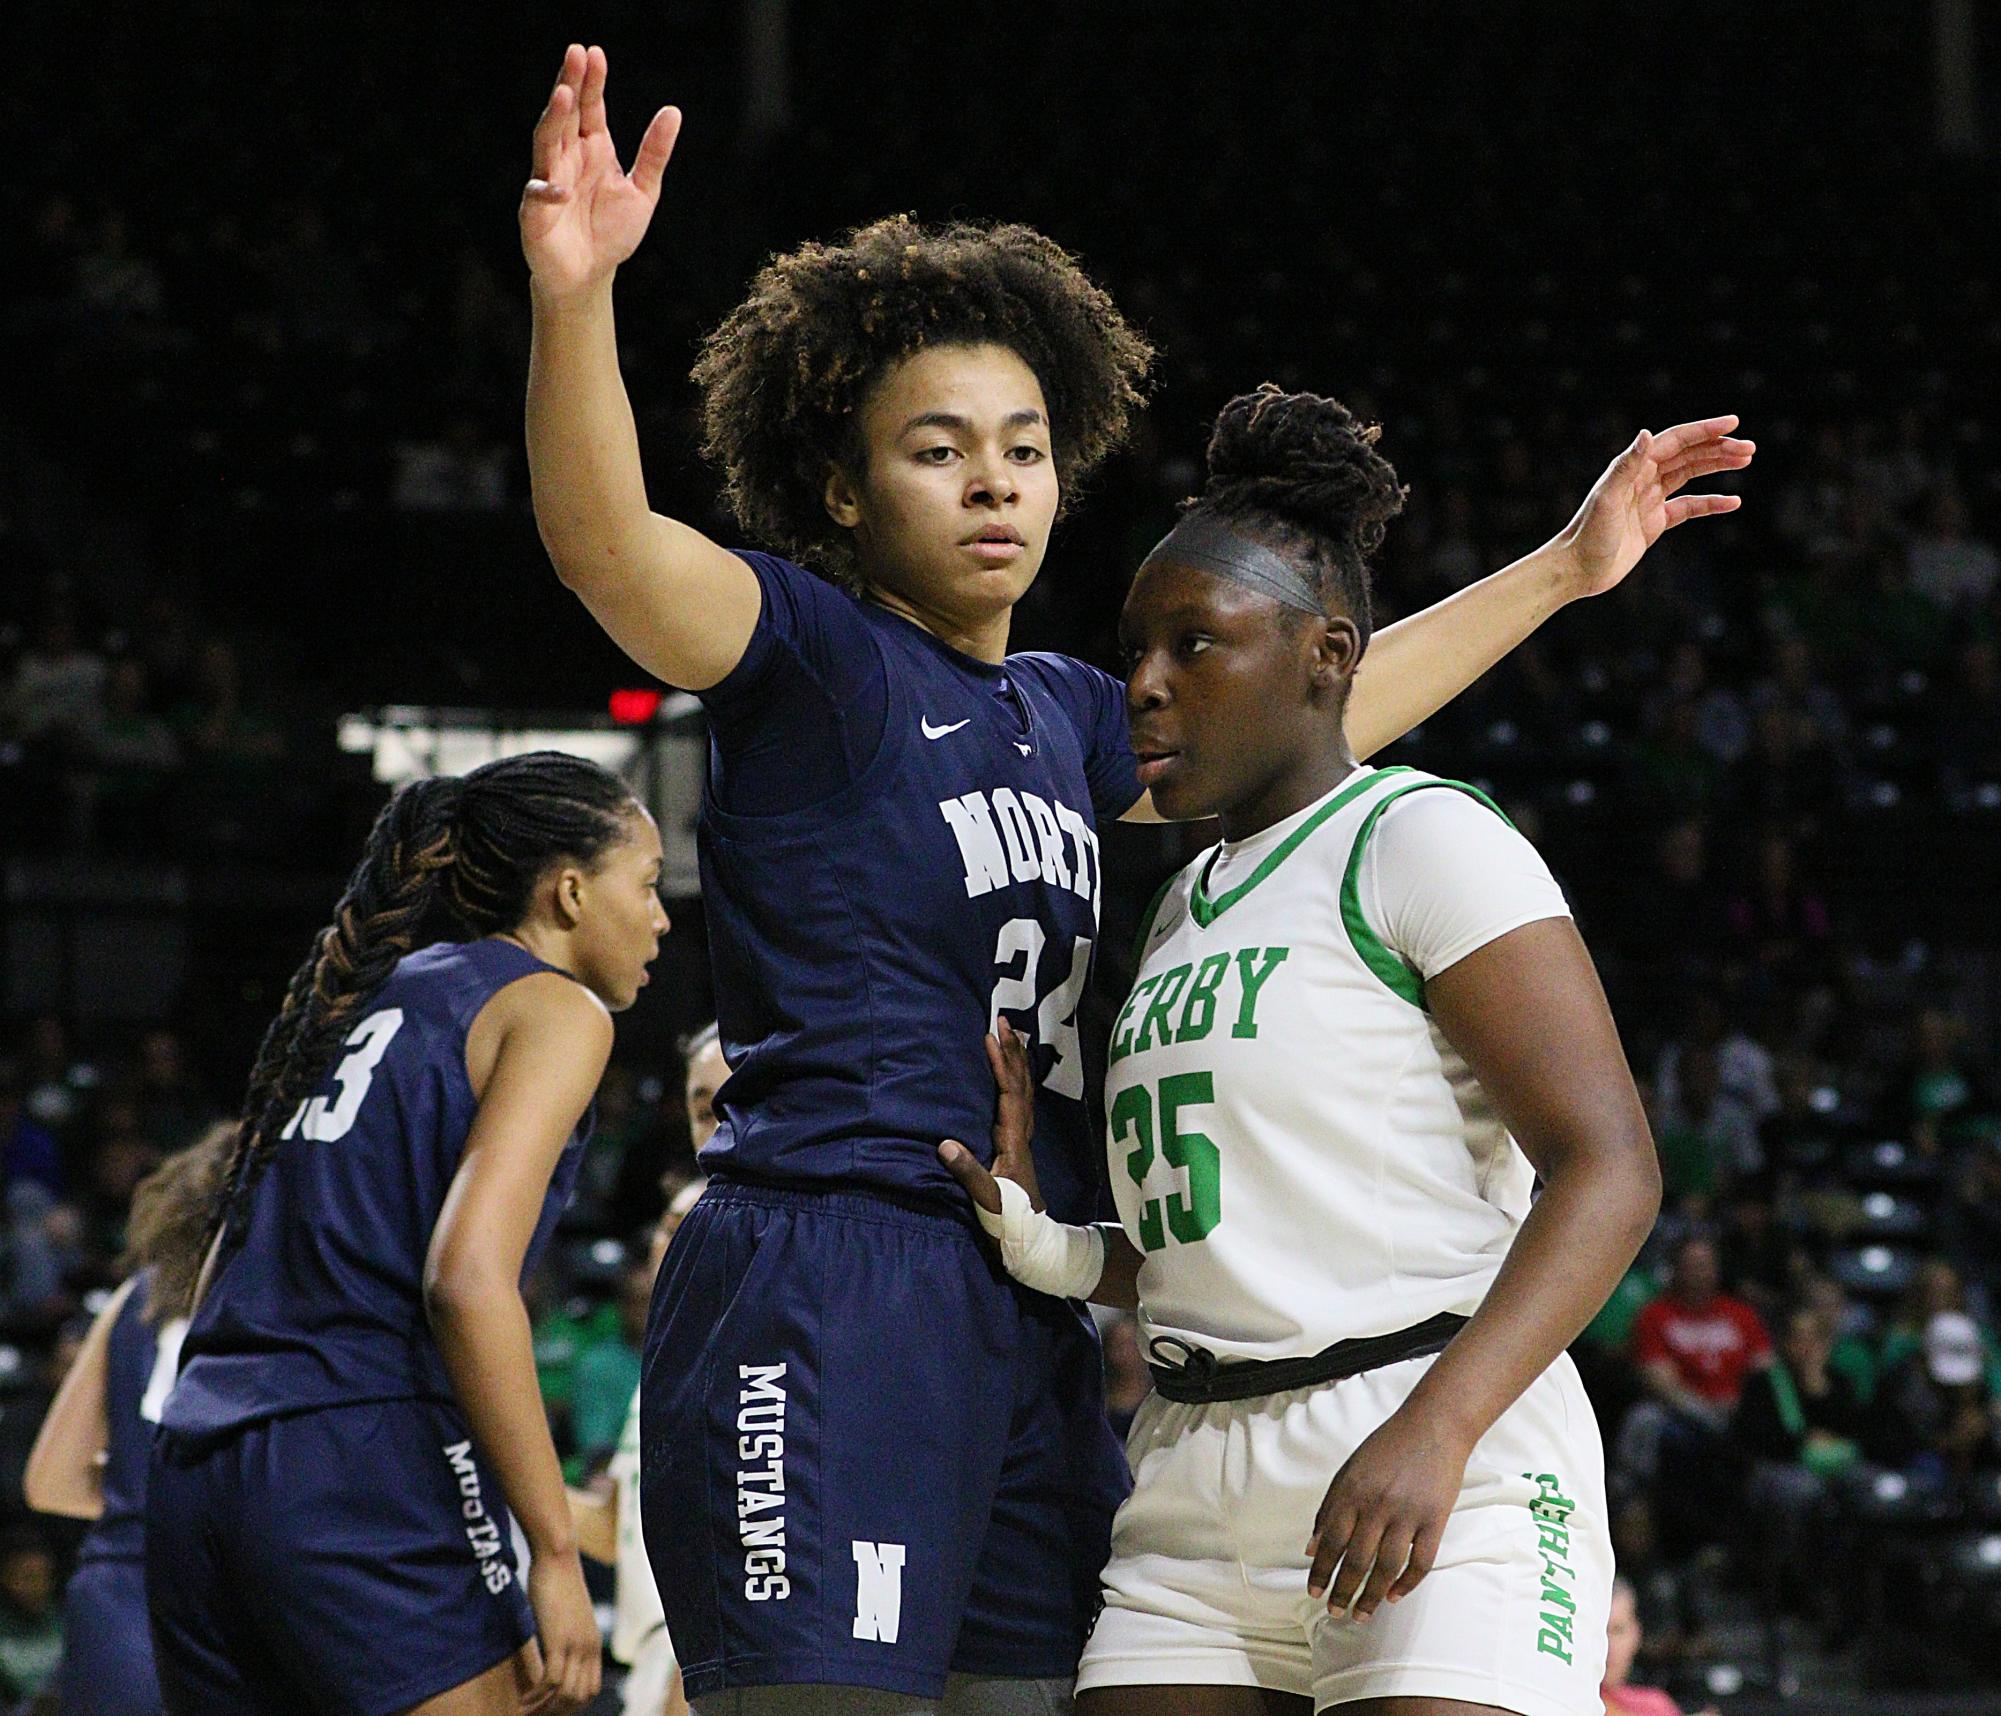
1712	1346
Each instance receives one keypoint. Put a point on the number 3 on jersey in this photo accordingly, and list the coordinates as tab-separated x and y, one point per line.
1190	1218
1018	953
369	1040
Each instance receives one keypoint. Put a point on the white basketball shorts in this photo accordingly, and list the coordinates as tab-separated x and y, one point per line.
1207	1581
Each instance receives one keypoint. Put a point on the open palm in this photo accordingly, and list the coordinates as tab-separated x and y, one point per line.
1639	498
581	214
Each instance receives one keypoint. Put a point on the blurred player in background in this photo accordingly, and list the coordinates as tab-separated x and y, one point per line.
899	848
1362	1026
608	1527
321	1529
89	1460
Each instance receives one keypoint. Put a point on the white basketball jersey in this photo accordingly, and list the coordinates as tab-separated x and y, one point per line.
1300	1154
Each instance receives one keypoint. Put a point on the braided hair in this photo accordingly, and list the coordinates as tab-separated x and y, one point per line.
1302	471
449	859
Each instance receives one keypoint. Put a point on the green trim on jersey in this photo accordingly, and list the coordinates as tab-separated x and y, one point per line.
1398	974
1206	911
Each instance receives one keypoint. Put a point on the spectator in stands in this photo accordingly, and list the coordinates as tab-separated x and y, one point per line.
1677	938
31	1632
1934	1413
29	1153
1694	1347
607	1369
1798	1136
459	471
1707	1136
1800	1422
1936	1089
55	1081
1780	919
130	753
1948	566
1722	727
58	684
1622	1644
1695	1344
173	1109
1792	683
1745	1070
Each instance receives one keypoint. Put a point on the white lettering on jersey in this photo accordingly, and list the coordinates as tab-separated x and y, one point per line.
760	1489
1008	837
878	1590
1016	835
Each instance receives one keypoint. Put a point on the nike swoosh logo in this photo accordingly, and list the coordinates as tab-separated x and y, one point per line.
931	732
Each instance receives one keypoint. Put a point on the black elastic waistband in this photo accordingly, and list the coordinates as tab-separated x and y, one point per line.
1202	1377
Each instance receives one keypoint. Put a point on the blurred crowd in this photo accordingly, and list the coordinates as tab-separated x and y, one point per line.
1767	768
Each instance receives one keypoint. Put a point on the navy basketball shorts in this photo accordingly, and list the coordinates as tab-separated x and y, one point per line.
867	1458
356	1559
107	1647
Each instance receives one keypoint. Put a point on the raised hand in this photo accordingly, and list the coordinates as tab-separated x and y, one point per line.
1014	1128
581	215
1639	498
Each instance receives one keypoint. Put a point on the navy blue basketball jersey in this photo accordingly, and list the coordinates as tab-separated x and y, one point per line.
134	1388
323	1304
898	846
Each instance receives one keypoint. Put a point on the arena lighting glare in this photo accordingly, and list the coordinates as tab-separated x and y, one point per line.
660	750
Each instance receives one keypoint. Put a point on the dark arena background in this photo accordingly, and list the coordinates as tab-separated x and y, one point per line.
265	549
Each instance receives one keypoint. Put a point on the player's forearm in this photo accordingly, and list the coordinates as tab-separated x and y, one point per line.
1118	1287
583	448
1594	1214
481	1327
1415	667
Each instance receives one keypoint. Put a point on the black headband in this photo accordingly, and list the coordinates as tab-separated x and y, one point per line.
1208	543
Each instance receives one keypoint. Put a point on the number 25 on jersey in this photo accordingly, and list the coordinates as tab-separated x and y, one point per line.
1185	1217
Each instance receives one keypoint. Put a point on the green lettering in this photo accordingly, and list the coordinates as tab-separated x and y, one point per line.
1132	1116
1122	1034
1552	1643
1199	1013
1557	1597
1172	982
1254	980
1194	1218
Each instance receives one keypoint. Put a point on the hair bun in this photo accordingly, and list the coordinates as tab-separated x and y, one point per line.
1305	459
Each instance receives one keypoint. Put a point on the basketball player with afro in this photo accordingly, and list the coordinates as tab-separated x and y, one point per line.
876	1474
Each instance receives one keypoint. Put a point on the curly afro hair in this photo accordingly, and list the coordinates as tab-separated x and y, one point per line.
1303	469
784	377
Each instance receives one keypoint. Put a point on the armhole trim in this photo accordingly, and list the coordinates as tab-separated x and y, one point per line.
1398	975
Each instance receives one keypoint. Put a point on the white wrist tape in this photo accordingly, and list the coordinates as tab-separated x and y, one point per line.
1041	1252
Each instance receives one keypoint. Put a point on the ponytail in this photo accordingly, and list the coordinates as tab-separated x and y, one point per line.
450	858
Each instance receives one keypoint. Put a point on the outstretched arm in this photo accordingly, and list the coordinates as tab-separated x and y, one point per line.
1420	664
680	606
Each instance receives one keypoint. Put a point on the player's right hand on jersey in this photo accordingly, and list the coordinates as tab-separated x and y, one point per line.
581	216
1014	1128
566	1629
